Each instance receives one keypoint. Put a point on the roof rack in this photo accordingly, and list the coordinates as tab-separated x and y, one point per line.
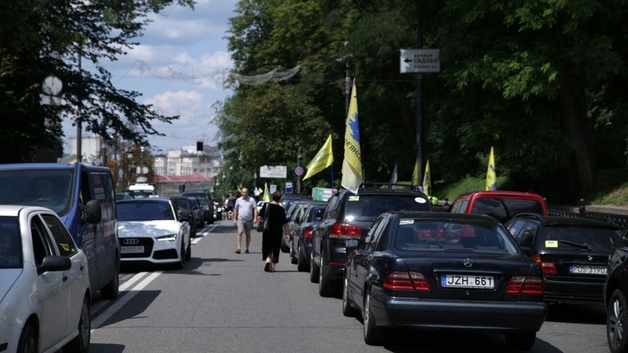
390	186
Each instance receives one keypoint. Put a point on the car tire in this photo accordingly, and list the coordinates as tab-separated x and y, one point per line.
293	258
111	290
373	335
347	305
28	341
188	253
181	263
313	270
326	286
80	343
616	322
302	265
520	341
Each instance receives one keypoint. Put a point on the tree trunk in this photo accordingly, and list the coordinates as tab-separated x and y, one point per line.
582	169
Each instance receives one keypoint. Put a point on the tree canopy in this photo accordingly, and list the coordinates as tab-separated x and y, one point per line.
541	82
39	38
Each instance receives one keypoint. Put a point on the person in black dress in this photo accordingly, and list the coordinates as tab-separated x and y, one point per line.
271	239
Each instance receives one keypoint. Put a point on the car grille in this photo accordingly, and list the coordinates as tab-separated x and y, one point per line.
147	243
165	254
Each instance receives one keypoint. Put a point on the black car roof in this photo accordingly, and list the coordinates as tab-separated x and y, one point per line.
445	216
567	221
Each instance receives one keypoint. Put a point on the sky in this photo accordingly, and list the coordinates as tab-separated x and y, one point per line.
178	67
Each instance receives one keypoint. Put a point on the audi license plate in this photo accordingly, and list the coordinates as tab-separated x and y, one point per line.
467	281
132	249
587	270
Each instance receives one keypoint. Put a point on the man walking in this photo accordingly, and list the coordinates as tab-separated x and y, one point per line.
244	215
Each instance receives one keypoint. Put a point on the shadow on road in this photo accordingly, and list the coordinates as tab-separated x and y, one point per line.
584	314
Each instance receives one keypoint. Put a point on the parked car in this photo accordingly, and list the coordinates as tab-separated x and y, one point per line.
197	208
502	205
150	230
302	235
443	271
349	216
572	253
206	202
297	209
186	210
45	294
615	294
83	197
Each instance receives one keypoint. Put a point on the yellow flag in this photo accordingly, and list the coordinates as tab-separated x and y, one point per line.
352	164
491	177
415	173
323	159
266	196
427	179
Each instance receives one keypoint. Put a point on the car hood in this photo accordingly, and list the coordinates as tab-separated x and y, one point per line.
8	277
136	229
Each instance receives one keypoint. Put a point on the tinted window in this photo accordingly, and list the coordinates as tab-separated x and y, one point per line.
60	235
504	209
574	238
453	235
369	207
51	188
10	243
144	211
41	242
183	204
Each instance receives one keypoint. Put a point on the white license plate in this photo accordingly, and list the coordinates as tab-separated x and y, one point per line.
467	281
132	249
587	270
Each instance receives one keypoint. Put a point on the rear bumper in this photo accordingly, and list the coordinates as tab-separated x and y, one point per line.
495	317
588	293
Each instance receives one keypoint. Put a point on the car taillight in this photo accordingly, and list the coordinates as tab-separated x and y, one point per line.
548	268
345	230
525	285
308	233
401	280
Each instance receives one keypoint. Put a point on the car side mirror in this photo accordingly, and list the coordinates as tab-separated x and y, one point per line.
91	212
54	263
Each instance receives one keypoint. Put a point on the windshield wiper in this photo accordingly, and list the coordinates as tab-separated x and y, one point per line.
577	245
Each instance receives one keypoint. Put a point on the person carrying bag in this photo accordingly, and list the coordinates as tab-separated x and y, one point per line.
277	224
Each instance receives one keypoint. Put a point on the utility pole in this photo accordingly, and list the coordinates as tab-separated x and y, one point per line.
79	127
419	109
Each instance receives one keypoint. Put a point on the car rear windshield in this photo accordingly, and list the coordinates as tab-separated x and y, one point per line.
458	236
575	238
504	208
366	208
144	211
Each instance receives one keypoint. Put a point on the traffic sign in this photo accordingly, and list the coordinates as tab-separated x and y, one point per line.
419	60
298	170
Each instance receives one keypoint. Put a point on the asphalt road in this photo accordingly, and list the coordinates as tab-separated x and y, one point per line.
225	302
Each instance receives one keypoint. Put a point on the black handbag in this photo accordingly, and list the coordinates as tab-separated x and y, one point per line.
264	226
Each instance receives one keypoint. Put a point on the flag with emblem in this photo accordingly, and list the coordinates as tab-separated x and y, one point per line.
352	164
323	159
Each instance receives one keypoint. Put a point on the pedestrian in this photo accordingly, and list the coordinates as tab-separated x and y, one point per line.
271	238
230	203
244	215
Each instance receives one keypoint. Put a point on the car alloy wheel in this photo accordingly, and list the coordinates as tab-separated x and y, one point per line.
616	322
80	343
373	335
347	308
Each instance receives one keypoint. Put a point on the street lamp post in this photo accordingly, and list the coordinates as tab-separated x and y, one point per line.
298	166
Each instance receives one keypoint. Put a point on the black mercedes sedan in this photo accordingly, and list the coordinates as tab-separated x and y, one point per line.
443	271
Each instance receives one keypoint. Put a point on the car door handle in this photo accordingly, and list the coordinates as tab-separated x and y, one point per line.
81	267
64	278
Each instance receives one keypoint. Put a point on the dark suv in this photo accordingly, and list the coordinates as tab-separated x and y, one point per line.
347	217
206	201
572	253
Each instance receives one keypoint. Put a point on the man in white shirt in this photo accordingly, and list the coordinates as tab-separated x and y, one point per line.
244	216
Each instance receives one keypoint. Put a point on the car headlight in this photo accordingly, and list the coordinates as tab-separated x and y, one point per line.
168	237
